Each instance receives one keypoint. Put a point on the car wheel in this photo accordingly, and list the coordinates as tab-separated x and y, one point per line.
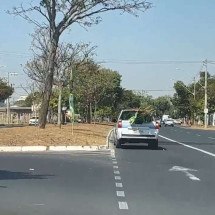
154	144
118	143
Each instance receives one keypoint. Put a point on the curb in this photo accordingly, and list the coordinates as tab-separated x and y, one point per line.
108	138
50	148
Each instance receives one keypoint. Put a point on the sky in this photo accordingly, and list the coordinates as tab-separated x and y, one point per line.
171	31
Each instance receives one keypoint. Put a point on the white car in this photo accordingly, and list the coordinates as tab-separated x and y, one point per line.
177	121
169	122
34	120
127	132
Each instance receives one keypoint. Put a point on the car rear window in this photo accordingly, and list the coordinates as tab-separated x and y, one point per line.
126	115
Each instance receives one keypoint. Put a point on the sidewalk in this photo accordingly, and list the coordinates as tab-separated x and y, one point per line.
200	127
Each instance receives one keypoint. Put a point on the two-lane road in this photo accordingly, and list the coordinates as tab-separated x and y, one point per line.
176	179
172	180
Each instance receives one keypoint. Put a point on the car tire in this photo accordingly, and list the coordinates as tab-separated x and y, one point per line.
154	144
118	143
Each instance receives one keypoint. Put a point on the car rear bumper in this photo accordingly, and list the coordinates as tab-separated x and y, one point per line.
33	123
129	140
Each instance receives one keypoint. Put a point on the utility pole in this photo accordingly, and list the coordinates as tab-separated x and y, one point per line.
194	97
8	100
206	95
194	90
59	105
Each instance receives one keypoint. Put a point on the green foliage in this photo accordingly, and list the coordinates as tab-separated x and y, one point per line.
184	101
53	104
5	90
162	105
95	88
129	99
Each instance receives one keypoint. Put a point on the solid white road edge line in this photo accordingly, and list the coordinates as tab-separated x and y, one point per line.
188	146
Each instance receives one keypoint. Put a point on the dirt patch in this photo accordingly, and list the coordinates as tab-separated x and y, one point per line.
83	134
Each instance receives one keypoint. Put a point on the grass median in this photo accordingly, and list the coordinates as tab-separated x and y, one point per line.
82	135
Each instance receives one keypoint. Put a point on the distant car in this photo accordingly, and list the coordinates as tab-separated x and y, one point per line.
169	122
178	121
127	132
34	120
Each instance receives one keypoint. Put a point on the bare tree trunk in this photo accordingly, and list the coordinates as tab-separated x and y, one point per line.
48	82
89	113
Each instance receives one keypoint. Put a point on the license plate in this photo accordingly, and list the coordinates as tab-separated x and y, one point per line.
144	132
139	131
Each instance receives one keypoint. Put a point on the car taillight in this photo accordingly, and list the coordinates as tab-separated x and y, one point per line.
120	124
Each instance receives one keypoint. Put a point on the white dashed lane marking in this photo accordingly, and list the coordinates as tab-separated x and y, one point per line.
118	178
120	193
119	185
116	172
198	135
123	205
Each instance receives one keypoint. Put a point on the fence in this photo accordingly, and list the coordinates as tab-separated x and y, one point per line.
15	118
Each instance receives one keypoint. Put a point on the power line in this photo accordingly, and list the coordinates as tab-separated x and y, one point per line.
153	62
15	53
154	90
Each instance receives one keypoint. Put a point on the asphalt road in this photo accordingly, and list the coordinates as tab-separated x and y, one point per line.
176	179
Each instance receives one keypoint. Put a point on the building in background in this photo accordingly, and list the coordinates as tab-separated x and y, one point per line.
22	98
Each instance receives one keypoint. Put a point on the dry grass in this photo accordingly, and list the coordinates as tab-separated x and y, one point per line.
83	134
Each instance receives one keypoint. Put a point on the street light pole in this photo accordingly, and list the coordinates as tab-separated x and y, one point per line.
8	99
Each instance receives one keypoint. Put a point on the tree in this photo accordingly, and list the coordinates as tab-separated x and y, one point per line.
5	90
59	15
182	99
67	56
129	100
162	105
95	88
